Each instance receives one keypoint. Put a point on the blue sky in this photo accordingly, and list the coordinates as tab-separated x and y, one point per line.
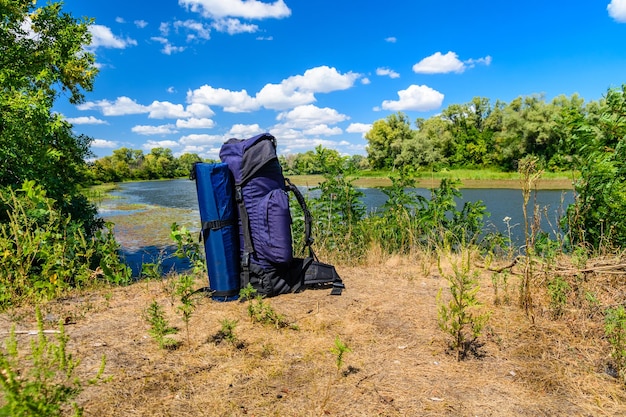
189	74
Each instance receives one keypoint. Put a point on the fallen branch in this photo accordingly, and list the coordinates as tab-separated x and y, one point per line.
33	332
498	270
620	268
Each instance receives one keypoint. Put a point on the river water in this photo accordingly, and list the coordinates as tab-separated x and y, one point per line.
500	203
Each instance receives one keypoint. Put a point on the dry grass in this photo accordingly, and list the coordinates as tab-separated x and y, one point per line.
398	364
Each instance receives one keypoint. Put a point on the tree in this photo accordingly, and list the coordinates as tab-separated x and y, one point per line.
42	56
386	138
471	139
598	215
185	163
429	145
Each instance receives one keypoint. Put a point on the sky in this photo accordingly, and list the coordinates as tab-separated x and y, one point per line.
190	74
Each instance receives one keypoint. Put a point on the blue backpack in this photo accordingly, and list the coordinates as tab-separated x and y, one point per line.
264	220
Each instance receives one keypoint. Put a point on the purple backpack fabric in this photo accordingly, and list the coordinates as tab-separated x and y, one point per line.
260	184
266	248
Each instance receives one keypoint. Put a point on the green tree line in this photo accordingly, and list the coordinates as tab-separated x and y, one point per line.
133	164
482	134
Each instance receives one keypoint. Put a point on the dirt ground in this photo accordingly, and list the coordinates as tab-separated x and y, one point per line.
398	363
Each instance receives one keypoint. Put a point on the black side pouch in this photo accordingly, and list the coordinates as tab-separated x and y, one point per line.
270	282
321	275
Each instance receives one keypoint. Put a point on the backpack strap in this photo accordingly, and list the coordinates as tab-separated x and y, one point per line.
308	219
214	225
248	248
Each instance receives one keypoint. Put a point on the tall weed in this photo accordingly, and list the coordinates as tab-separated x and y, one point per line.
461	317
43	252
43	381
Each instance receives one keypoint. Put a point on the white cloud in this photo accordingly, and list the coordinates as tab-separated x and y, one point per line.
245	131
166	110
121	106
201	140
299	89
291	142
387	72
199	110
86	120
291	92
250	9
120	20
264	38
168	48
193	29
234	26
415	98
151	144
102	143
362	128
617	10
321	80
101	36
365	81
231	101
309	116
277	97
323	130
171	89
391	39
154	130
471	63
195	123
140	23
439	63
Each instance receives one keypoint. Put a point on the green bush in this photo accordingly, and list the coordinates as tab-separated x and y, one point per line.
408	221
43	252
615	330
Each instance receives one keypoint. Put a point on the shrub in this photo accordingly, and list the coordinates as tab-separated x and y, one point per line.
43	252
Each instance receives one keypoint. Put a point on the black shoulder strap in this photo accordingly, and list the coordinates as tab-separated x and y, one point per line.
248	248
308	219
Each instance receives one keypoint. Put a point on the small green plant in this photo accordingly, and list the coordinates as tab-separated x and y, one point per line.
615	330
184	289
152	270
42	382
458	317
227	333
160	327
558	289
262	312
339	350
500	281
228	330
247	293
187	246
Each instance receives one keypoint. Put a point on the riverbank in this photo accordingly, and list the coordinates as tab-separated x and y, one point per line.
367	179
559	183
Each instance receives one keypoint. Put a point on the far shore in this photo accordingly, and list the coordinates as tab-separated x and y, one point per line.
368	182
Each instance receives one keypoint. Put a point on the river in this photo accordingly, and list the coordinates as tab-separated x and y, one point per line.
179	196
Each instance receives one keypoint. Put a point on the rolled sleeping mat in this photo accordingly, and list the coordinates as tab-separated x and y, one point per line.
220	230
